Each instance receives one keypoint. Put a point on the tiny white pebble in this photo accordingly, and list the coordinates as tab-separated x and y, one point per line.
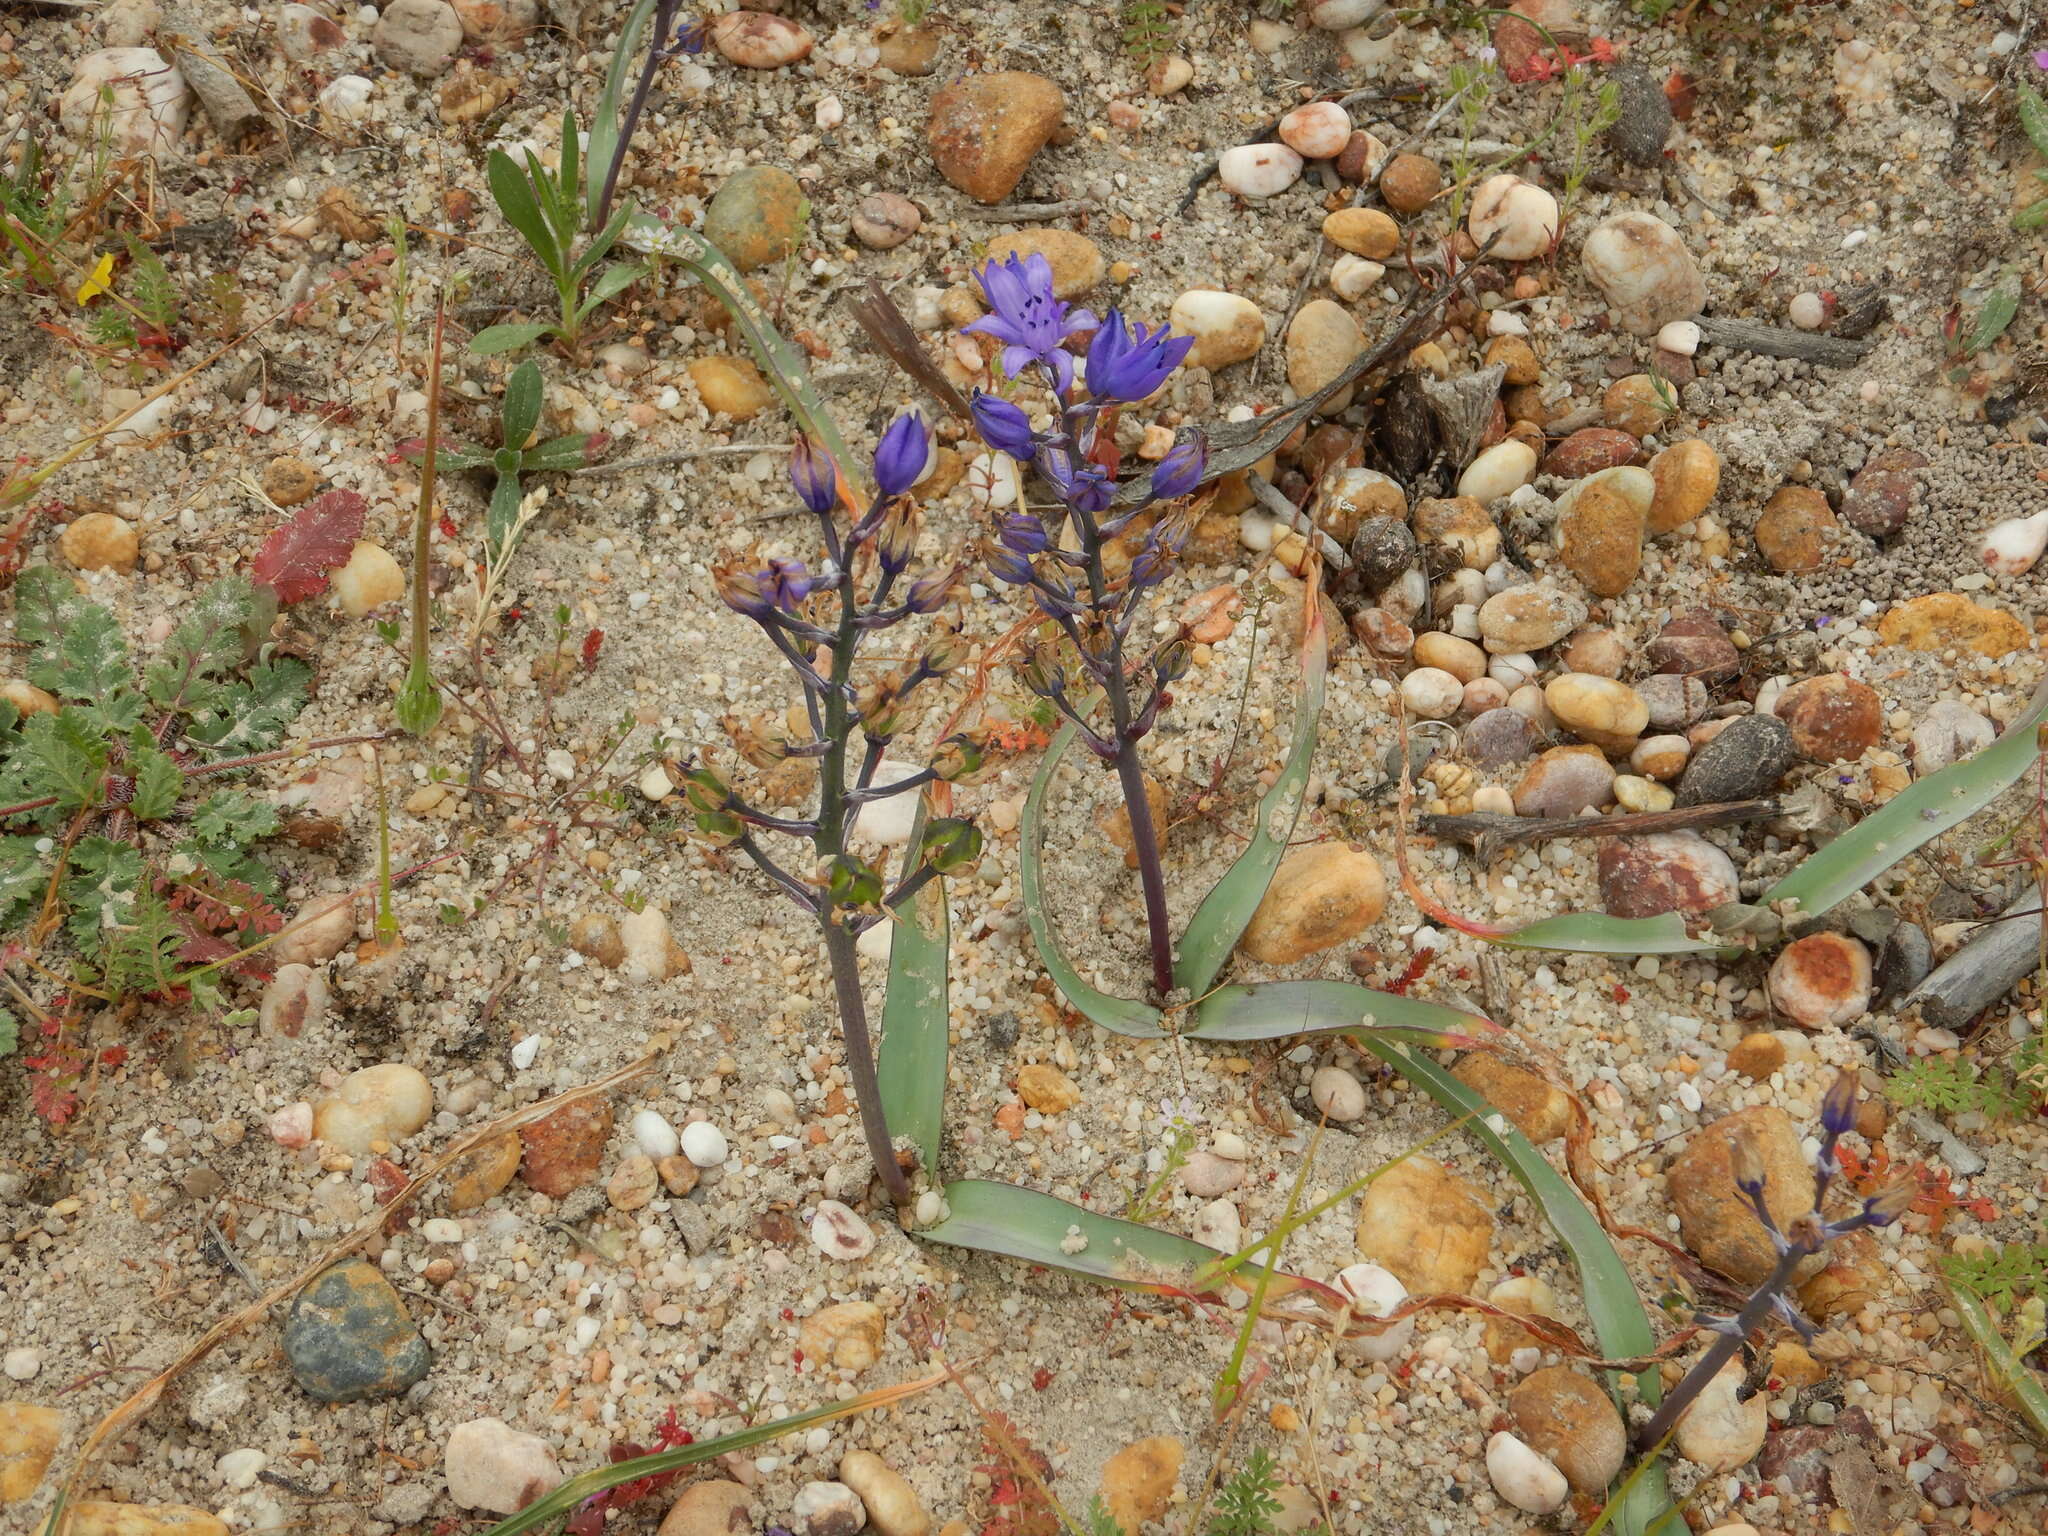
704	1144
653	1135
21	1364
441	1229
524	1052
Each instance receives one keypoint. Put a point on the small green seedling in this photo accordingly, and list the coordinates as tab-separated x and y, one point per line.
2034	120
546	207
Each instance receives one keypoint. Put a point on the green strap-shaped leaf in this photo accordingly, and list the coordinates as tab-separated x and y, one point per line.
1219	922
493	339
1116	1014
2013	1373
1619	1321
1910	819
911	1059
614	281
1027	1224
1279	1010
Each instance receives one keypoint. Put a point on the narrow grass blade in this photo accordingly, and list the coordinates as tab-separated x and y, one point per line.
1909	820
1276	1010
1620	1322
1116	1014
1019	1223
1219	922
542	1513
782	362
911	1060
2011	1372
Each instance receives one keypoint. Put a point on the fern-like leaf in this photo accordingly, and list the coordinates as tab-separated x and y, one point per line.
251	716
2004	1276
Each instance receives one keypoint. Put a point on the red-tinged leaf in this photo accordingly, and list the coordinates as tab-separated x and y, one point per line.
294	561
592	642
52	1100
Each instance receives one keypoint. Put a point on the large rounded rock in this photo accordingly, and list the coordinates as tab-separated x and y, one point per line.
1947	733
1321	342
1539	1109
1880	495
494	1467
1687	474
29	1437
1323	894
349	1339
564	1150
1502	737
1528	618
1724	1428
1076	261
1565	782
1227	327
1797	530
420	37
1714	1219
1941	621
1834	719
713	1507
133	97
757	216
1521	214
758	40
1609	714
1822	981
1568	1417
1692	645
1138	1480
985	129
385	1103
1658	872
1639	263
1427	1226
1744	761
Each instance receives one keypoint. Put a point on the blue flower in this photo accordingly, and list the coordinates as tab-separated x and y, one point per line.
1181	470
780	587
811	472
1023	534
1031	324
1128	362
1083	487
1007	566
1004	426
902	454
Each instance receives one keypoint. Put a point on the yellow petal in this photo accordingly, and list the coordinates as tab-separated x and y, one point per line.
100	281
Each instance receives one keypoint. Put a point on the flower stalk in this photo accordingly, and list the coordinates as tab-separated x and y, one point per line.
1065	565
817	620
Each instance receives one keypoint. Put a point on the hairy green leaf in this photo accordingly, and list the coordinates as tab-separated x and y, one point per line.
514	194
85	658
2033	117
228	818
1997	313
158	783
66	755
493	339
10	1033
519	412
100	888
251	715
24	875
210	642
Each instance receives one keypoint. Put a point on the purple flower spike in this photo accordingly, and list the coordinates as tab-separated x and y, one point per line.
1007	566
1003	426
901	456
811	472
1181	470
1031	324
1128	362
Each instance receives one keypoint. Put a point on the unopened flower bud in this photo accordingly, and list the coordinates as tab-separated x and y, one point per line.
957	759
951	843
706	790
1838	1109
946	651
1890	1203
1746	1161
851	882
721	829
